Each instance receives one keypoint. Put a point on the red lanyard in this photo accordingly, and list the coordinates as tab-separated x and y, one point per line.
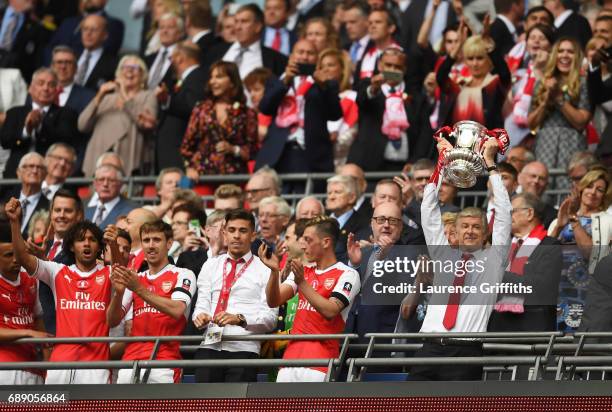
226	288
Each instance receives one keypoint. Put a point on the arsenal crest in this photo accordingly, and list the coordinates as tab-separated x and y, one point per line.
329	283
166	286
100	279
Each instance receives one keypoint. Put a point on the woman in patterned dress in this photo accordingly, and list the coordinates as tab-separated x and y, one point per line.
560	109
221	135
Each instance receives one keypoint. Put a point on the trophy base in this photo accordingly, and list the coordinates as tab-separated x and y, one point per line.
462	173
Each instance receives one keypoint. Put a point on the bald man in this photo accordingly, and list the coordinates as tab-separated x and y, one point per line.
533	179
309	207
95	65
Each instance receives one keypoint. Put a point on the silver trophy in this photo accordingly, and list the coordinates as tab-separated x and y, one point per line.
464	163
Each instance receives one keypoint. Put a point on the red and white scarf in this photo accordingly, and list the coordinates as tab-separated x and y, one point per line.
515	57
350	113
395	120
523	97
291	110
368	62
518	257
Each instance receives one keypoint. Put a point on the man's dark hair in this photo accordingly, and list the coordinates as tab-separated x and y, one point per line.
504	6
533	202
5	232
200	14
603	17
390	18
300	225
537	9
356	4
240	214
193	212
255	10
78	203
505	167
125	235
77	232
157	226
325	226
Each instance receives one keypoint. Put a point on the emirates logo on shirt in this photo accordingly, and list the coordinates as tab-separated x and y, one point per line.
166	286
82	284
329	283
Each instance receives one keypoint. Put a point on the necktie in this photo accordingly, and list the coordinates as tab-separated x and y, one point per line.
59	91
82	72
452	307
491	221
276	42
46	191
155	78
239	56
9	31
53	250
228	282
99	214
355	48
24	205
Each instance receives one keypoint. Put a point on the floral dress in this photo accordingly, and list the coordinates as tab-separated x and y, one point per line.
204	131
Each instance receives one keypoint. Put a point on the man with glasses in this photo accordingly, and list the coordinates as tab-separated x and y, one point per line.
263	183
60	160
110	204
518	156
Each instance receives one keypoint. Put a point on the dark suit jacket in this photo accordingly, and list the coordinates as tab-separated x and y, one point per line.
543	274
103	71
173	119
69	34
58	125
550	214
26	53
413	17
122	208
44	291
322	104
169	78
43	204
271	59
598	306
599	92
79	98
576	26
504	41
369	147
192	260
206	43
354	224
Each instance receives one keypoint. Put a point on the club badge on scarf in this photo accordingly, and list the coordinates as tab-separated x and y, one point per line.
291	110
395	120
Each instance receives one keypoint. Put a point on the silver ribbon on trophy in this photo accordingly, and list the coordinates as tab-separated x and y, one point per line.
464	162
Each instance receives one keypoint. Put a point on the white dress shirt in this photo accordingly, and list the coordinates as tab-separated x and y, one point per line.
32	202
196	37
50	189
65	94
108	206
562	17
251	59
93	60
247	297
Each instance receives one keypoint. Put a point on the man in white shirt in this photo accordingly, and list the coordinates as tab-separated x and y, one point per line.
59	160
232	301
474	266
171	30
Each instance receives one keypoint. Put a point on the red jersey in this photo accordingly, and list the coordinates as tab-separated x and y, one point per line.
19	307
173	283
81	300
338	281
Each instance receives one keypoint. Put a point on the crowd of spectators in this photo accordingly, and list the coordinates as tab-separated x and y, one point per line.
342	87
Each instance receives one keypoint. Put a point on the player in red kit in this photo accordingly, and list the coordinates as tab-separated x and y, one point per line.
159	299
82	294
326	292
20	314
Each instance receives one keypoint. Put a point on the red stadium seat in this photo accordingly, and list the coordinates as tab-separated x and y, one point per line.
149	191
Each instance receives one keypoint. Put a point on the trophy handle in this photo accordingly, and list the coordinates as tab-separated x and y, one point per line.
445	130
501	136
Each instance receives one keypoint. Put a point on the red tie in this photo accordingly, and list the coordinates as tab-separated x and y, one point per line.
53	250
491	221
276	43
228	282
60	90
450	316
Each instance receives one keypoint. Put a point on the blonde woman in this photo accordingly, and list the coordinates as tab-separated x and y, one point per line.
560	109
336	65
118	115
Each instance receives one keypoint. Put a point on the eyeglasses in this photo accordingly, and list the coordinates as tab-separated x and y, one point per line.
253	191
130	67
63	62
516	209
31	167
575	179
381	220
60	158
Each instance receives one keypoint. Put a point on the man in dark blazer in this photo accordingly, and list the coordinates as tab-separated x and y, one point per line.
413	17
176	105
302	146
69	32
503	29
372	149
537	262
37	125
199	25
275	34
171	30
568	22
247	51
95	65
22	50
601	91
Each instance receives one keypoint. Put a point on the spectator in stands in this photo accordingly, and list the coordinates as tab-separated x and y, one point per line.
298	140
38	226
182	216
177	103
309	207
340	203
264	182
470	312
71	30
84	241
95	65
255	85
276	36
59	162
321	33
222	132
580	163
113	117
568	22
110	203
274	214
132	291
535	260
560	109
135	219
518	157
356	25
226	24
183	196
37	125
519	57
166	184
392	124
534	179
22	38
509	177
381	29
199	25
152	37
595	317
600	91
326	291
13	92
356	172
124	245
21	318
161	72
232	307
228	197
247	51
198	248
504	31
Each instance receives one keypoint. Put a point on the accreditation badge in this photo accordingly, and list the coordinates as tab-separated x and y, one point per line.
213	334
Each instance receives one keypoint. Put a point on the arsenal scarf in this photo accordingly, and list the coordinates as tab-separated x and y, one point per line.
291	110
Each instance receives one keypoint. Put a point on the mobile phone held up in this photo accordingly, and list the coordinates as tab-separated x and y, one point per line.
271	248
395	77
194	226
305	69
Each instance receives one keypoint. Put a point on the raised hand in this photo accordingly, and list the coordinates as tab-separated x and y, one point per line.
12	210
298	272
202	320
272	262
354	250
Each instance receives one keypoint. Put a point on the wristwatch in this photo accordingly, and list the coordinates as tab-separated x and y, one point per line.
491	168
242	319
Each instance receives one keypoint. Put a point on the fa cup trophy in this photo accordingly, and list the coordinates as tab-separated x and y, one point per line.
464	162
